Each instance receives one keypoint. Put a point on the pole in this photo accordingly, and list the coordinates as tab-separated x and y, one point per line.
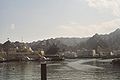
43	71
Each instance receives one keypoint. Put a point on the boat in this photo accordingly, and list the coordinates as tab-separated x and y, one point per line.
54	58
116	61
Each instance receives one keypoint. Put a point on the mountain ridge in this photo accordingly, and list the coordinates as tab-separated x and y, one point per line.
111	41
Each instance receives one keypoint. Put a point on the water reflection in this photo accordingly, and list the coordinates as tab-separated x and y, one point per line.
19	71
83	69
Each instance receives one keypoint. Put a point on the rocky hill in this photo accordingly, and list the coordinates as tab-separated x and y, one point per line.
72	41
111	41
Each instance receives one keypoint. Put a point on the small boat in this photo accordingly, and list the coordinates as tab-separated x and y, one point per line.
116	61
54	58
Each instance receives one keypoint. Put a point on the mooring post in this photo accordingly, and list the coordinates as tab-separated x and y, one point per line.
43	71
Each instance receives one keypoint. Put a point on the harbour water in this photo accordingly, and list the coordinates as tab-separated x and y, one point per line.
70	69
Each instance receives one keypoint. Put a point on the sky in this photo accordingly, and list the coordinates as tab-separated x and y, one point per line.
32	20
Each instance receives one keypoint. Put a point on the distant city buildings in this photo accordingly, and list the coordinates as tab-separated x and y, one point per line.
85	53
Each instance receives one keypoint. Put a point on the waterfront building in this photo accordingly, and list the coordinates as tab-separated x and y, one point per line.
70	54
85	53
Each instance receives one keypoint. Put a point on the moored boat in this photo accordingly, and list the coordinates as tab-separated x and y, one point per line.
116	61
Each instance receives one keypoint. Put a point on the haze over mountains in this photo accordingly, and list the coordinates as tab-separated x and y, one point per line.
111	41
105	41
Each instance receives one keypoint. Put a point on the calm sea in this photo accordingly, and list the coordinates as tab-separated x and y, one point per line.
70	69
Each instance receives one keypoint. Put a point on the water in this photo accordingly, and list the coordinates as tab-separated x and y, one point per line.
71	69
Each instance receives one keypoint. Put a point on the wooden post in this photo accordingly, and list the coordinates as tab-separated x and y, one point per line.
43	71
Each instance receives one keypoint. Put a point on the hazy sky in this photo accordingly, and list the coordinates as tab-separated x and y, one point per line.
42	19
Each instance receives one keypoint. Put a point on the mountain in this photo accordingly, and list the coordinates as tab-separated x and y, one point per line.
0	47
62	43
114	39
8	45
107	41
72	41
111	41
